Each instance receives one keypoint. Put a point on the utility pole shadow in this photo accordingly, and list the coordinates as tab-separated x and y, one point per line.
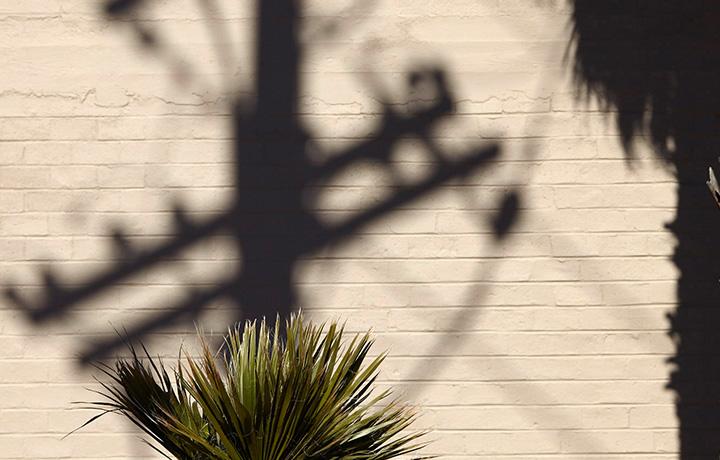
271	224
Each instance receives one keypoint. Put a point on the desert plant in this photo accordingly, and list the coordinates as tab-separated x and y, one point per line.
300	393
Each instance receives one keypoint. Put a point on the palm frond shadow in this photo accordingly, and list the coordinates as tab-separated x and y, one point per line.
657	66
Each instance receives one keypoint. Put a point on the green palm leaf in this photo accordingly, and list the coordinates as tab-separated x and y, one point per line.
304	394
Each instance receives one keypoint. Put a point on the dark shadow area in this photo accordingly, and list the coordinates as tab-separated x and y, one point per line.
657	63
271	221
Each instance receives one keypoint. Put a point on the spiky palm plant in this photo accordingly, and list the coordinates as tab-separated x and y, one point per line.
300	394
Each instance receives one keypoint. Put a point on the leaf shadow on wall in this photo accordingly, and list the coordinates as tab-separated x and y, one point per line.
273	226
657	64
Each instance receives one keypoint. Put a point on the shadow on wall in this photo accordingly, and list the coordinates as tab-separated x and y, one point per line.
272	224
658	64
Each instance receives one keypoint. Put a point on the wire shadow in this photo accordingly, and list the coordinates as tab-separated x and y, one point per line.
272	225
658	65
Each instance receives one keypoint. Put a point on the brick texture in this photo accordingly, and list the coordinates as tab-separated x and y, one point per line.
548	344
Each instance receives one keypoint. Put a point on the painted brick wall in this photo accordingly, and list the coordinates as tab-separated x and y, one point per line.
548	344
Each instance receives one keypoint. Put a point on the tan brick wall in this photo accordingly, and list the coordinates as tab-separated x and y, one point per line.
551	344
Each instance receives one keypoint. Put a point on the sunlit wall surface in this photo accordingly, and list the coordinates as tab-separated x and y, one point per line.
522	296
